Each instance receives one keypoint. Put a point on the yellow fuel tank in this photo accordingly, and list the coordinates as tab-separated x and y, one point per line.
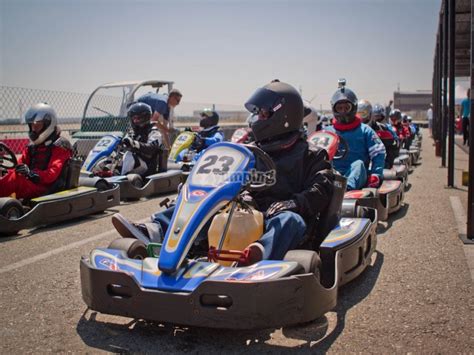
245	227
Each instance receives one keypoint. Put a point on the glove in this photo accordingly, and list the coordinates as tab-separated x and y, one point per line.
248	199
198	143
129	143
280	206
373	181
24	170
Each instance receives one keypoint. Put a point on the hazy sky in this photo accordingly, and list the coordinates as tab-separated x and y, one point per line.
220	51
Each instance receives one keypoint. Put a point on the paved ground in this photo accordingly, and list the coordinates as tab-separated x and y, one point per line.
415	297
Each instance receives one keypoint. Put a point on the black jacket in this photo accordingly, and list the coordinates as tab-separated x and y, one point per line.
304	175
150	146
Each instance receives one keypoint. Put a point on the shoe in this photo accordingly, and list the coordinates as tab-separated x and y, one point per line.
253	254
128	229
146	232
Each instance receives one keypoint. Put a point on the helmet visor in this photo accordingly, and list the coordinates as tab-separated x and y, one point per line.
264	103
343	107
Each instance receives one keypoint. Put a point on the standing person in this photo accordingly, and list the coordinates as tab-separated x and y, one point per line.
388	108
161	106
465	114
42	161
429	116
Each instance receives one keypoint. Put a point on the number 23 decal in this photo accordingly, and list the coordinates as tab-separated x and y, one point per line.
212	160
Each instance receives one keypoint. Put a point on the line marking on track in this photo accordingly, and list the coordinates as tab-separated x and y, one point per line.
50	253
461	220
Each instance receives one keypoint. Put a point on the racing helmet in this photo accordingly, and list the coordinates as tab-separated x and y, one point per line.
251	119
378	113
209	118
364	111
280	112
41	112
344	105
311	118
139	114
395	116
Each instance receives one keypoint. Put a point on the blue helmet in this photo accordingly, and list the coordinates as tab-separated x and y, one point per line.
139	114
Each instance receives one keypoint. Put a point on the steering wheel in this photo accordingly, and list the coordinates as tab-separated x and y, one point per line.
7	157
268	165
342	149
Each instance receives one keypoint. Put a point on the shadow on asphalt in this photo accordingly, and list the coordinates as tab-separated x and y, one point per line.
61	225
144	336
382	227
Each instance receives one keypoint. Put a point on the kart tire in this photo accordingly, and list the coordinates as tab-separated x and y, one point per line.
136	180
102	185
11	208
309	260
134	248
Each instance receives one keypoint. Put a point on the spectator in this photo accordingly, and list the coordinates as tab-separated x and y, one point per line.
465	114
161	106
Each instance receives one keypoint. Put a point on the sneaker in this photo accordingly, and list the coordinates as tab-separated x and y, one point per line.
145	232
253	254
128	229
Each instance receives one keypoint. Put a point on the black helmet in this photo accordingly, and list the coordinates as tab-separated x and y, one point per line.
378	112
395	115
139	114
344	95
209	118
280	111
41	112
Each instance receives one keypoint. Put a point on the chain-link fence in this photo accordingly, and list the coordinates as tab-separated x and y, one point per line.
104	114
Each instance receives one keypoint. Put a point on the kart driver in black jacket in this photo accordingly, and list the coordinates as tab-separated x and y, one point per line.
144	143
303	187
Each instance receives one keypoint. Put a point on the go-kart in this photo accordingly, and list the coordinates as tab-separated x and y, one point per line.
103	162
64	201
183	141
386	199
174	284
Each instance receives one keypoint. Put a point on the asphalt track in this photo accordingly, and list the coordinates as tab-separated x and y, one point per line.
415	297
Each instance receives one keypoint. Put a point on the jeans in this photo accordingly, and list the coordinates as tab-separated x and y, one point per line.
283	232
356	176
465	130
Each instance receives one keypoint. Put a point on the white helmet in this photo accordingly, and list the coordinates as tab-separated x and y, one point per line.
41	112
311	117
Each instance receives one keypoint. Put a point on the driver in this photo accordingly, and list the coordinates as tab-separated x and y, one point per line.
304	179
209	134
364	162
42	161
143	144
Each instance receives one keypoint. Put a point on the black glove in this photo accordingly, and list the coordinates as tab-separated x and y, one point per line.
280	206
24	170
198	143
129	143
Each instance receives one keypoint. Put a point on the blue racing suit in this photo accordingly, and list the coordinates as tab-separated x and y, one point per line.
208	137
365	156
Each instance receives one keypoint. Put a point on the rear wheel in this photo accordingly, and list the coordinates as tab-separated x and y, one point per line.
134	248
136	180
11	208
308	259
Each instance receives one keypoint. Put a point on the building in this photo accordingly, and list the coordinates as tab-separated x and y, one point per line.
407	101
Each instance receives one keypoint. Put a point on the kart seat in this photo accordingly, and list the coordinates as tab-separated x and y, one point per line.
69	177
329	219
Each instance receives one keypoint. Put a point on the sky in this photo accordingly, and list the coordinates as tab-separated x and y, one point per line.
221	51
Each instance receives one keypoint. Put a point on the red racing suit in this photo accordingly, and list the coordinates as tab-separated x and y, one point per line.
45	160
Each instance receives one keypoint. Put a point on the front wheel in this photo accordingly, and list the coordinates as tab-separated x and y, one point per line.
134	248
309	260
